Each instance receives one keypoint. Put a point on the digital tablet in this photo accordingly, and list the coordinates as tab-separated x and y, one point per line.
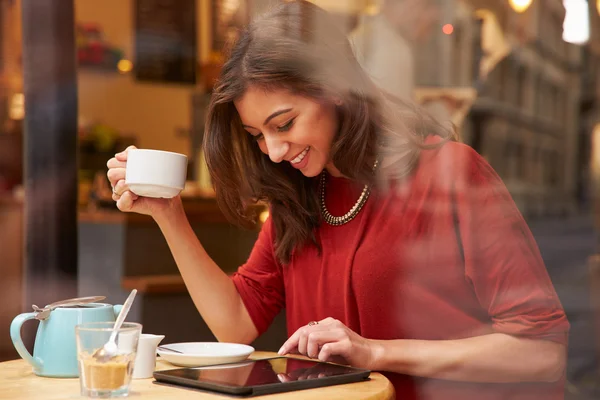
259	377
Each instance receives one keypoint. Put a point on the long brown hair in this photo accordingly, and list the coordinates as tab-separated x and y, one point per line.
297	46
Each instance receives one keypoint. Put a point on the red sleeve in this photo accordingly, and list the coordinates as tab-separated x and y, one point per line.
502	260
260	282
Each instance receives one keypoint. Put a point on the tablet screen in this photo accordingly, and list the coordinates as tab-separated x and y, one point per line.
261	372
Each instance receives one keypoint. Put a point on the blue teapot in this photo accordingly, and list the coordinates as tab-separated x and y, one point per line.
55	349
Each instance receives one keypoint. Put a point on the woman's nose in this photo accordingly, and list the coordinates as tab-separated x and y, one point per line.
277	149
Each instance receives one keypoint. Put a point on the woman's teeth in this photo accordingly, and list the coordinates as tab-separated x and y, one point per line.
300	156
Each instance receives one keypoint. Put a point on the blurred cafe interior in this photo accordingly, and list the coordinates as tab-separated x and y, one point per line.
505	73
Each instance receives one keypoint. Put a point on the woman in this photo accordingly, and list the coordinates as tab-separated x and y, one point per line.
390	246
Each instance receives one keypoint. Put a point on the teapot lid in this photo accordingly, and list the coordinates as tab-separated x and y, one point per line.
43	313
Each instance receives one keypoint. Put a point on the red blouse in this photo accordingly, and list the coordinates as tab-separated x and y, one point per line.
445	255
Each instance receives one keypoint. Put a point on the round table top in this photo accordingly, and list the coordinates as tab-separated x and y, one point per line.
18	381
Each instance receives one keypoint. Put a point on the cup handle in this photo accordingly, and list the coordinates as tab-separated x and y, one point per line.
15	335
117	309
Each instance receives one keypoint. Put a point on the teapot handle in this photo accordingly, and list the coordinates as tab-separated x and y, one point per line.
15	335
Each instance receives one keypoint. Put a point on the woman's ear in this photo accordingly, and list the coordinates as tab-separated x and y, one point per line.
337	101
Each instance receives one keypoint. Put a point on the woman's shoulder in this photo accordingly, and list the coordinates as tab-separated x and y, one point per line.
436	146
452	160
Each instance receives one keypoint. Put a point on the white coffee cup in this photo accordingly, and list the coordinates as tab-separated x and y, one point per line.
155	173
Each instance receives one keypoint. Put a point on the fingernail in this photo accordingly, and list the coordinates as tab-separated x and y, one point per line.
280	352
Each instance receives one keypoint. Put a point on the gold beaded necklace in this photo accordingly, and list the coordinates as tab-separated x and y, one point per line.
350	215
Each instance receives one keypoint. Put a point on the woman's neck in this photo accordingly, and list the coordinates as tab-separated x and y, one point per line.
333	171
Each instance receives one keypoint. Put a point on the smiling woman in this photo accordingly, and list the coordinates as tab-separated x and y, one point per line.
299	131
390	246
309	106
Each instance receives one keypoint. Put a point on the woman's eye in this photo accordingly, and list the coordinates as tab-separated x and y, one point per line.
287	126
256	138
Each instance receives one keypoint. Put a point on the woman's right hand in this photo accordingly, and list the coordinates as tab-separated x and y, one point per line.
126	200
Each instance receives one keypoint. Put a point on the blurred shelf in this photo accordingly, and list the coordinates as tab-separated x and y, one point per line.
198	210
153	284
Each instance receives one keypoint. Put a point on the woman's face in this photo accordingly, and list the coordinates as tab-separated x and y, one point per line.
290	128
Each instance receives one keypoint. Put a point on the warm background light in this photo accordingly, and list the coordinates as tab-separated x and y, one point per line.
17	107
263	216
124	66
595	155
520	5
448	29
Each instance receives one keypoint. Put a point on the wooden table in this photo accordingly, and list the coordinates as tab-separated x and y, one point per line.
17	381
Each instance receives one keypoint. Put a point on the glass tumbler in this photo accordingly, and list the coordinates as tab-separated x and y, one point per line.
110	378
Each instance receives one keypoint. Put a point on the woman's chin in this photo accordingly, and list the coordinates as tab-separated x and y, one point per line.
311	171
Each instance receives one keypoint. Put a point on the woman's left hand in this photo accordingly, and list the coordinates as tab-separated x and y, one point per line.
331	340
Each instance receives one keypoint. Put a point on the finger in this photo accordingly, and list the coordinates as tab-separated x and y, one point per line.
333	349
327	321
291	343
313	345
303	341
115	175
120	187
122	156
317	339
326	352
283	378
125	203
114	163
116	197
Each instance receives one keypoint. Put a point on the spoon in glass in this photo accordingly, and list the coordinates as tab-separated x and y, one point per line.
109	350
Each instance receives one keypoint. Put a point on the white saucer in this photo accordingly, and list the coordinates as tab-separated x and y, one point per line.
152	190
197	354
226	365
